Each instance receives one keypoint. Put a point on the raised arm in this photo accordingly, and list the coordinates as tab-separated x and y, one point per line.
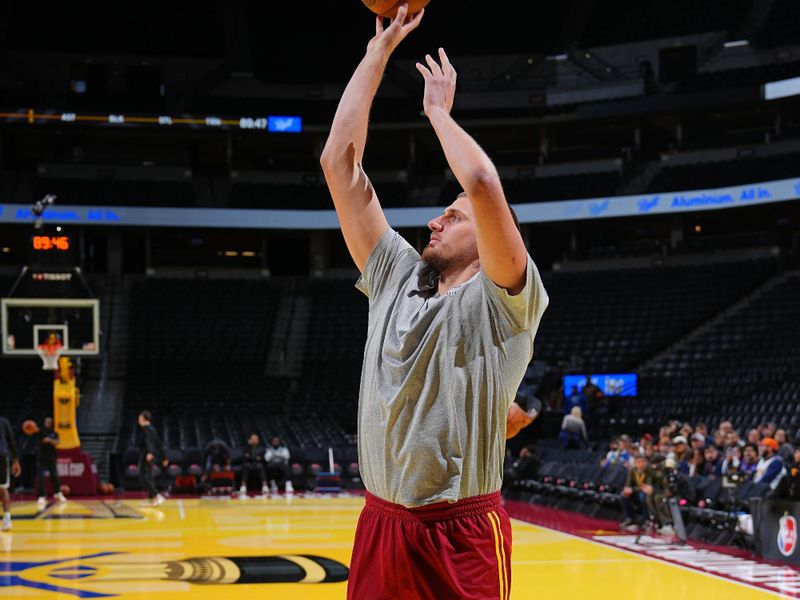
360	215
500	247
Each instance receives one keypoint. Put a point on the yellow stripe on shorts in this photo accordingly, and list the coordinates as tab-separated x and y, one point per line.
500	550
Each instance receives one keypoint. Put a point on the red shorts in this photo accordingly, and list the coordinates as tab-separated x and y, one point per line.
444	550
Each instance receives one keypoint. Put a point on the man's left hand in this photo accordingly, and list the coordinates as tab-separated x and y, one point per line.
440	83
16	469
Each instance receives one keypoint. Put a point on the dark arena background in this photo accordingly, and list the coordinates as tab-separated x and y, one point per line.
168	245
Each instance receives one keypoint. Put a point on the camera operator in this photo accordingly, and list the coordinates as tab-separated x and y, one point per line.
638	494
674	484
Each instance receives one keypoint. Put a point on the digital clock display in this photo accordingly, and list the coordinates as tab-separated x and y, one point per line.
51	243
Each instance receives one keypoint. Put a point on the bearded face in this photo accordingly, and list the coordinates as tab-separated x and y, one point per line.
453	244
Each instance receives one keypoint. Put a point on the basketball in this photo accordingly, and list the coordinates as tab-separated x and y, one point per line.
388	8
65	489
30	427
516	420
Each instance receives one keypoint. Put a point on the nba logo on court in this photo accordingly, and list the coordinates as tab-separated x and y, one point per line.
787	535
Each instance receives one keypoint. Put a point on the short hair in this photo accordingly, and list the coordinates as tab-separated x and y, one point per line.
510	209
576	412
146	414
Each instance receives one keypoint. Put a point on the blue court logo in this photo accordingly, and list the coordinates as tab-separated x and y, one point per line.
31	575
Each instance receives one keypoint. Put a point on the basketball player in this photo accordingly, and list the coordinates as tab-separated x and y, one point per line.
46	462
9	466
150	449
519	418
450	336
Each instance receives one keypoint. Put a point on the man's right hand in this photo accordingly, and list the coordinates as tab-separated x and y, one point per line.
627	491
386	40
149	457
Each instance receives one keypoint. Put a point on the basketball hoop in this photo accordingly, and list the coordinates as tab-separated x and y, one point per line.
49	353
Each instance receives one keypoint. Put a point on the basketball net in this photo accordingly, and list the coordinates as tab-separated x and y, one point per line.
49	353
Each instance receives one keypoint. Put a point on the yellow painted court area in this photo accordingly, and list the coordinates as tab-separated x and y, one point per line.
546	564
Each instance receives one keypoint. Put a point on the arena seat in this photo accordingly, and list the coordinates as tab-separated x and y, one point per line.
782	27
614	319
117	192
725	173
743	367
632	21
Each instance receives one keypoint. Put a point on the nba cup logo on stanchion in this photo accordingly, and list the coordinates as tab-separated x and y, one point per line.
787	535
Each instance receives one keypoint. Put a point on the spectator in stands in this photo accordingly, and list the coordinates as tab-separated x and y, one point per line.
732	439
573	429
768	429
702	429
46	463
216	457
725	427
718	439
596	401
620	453
150	451
277	459
575	399
681	454
648	448
749	462
732	461
770	468
637	495
753	437
713	462
697	463
527	465
611	455
686	430
786	450
551	389
698	441
789	487
253	463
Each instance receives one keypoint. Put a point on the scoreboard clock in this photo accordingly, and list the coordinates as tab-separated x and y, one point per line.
51	243
52	249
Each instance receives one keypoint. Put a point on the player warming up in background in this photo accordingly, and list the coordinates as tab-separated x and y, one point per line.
9	466
150	449
47	439
449	338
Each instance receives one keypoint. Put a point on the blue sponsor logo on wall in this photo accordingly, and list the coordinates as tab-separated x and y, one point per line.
598	208
648	204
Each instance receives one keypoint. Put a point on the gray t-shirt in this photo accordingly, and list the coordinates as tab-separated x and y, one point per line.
572	424
438	377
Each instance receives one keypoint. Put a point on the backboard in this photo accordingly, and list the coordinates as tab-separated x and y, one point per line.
29	322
